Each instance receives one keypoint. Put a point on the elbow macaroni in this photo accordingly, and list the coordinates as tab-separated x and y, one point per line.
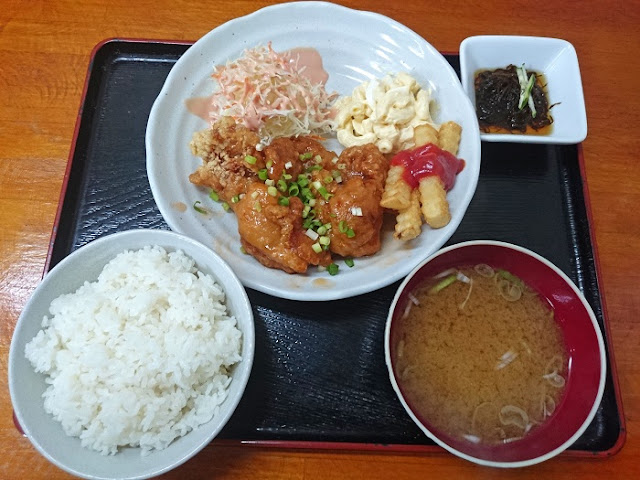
383	112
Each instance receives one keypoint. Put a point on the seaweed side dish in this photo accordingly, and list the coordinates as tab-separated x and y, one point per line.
512	100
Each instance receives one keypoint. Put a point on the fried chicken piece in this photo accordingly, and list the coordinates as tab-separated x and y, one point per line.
282	157
312	148
273	233
223	149
367	162
355	204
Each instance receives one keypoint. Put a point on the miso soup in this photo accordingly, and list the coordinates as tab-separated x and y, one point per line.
479	355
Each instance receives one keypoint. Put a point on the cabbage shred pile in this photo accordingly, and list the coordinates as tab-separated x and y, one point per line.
268	92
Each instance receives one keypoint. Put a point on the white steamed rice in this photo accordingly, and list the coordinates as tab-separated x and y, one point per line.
139	357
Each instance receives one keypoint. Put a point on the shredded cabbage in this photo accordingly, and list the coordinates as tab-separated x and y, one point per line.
267	92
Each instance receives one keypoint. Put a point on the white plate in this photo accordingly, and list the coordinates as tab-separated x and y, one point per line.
355	46
553	57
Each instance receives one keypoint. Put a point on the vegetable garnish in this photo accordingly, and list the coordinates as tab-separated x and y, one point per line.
444	283
284	201
294	190
250	159
199	209
333	269
213	195
525	90
349	262
325	194
346	229
303	180
511	277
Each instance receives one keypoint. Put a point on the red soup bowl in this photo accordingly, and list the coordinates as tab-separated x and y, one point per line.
584	347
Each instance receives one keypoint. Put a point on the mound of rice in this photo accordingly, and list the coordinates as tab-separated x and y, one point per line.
139	357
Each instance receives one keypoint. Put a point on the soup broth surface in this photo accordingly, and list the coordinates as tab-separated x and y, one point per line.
479	355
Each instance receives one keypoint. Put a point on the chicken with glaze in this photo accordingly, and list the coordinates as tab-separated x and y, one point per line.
296	202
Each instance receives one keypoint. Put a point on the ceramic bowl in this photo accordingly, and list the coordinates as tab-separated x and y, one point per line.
26	386
583	343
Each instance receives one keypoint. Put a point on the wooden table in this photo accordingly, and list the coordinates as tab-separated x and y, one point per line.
44	55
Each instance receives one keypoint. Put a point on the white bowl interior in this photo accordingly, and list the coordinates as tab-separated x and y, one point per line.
27	386
553	57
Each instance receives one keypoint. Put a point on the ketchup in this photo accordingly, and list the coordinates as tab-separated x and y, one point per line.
428	160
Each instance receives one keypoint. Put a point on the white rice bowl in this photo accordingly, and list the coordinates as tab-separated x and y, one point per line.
129	371
140	356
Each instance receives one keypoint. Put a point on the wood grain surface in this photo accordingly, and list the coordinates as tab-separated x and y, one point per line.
45	49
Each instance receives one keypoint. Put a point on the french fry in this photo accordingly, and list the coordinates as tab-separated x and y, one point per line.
409	221
433	200
449	137
396	194
429	200
423	134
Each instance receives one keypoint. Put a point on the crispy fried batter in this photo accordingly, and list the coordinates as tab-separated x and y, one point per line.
223	149
367	162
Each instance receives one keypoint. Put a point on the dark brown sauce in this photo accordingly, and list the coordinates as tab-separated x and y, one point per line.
497	95
529	130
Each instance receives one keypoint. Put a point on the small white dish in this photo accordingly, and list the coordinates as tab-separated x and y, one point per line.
26	386
556	59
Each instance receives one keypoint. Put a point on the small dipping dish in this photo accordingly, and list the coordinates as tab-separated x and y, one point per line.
554	58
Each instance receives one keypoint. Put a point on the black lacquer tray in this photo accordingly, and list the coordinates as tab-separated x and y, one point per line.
319	379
